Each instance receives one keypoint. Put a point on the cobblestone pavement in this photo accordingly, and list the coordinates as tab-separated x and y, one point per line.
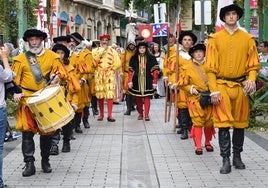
137	154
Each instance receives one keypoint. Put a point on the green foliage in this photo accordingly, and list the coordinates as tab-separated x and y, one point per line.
11	107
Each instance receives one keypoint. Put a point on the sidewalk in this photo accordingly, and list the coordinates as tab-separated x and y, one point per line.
130	154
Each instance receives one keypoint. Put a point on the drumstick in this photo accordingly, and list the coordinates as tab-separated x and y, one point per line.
26	96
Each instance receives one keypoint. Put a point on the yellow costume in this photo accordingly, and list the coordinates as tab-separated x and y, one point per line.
106	62
81	61
226	73
190	77
125	58
49	64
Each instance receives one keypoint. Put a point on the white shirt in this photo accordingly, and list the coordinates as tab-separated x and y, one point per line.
6	75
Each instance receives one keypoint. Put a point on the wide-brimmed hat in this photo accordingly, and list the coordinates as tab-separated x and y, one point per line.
61	47
187	33
232	7
34	33
61	39
77	37
105	36
142	44
197	47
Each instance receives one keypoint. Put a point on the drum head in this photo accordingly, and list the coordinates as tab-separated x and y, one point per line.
44	94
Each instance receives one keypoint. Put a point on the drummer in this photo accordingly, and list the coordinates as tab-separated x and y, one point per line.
34	68
72	88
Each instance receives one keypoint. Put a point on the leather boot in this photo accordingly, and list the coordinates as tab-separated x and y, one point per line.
67	132
85	117
29	169
45	145
77	121
55	138
94	105
238	142
66	147
225	147
46	166
226	166
28	149
184	119
128	104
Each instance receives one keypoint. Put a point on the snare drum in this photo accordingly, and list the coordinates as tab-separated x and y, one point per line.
50	108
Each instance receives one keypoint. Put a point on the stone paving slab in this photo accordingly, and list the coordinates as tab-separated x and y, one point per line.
131	153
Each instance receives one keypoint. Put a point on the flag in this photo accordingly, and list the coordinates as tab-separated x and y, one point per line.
221	3
146	31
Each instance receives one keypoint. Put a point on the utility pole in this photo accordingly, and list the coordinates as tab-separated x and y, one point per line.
21	21
247	15
202	20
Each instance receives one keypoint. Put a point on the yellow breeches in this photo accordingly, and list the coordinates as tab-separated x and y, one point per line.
200	117
233	110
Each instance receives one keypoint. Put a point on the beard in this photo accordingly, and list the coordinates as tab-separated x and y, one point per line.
34	49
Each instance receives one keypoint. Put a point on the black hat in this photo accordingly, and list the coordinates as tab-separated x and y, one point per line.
142	44
197	47
34	33
187	33
77	37
232	7
61	47
61	38
139	38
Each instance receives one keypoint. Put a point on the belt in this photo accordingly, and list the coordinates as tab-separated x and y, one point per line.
238	79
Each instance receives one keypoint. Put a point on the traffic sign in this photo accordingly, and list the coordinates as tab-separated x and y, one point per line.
160	29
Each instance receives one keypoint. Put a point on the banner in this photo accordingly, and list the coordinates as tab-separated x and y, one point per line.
221	3
146	31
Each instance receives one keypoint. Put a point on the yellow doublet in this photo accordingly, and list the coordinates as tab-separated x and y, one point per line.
125	58
49	63
107	61
231	56
189	77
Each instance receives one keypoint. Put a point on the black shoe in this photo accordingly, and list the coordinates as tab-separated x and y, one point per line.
66	147
86	124
179	131
226	166
128	112
78	129
29	169
54	150
237	162
46	167
95	112
72	137
184	135
199	151
110	119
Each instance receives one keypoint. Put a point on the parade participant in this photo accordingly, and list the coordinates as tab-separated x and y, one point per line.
125	58
71	87
6	75
81	60
186	39
118	93
160	83
32	70
62	40
232	63
55	137
193	80
142	78
107	61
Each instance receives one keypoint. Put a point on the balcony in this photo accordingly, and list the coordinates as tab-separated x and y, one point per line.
118	4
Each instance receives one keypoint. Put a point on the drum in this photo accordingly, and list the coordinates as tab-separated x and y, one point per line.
50	108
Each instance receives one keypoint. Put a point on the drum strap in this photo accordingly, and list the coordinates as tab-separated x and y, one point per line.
35	68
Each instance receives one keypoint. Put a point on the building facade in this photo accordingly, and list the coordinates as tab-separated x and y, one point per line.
90	18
